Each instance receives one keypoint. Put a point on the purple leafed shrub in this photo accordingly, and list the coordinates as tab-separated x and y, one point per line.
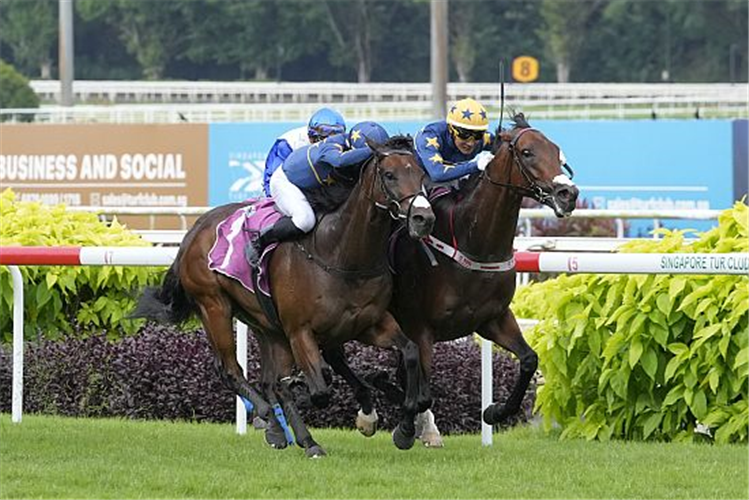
162	373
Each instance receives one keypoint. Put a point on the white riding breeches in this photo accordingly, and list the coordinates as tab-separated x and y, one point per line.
291	201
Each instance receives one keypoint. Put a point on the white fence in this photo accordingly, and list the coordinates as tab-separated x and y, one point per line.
172	102
526	261
118	92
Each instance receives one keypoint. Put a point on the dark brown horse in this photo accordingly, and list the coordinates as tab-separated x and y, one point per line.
331	287
469	286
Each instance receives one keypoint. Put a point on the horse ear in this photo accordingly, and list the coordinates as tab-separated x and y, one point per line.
374	146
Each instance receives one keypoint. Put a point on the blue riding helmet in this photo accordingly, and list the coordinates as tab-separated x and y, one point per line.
367	130
324	123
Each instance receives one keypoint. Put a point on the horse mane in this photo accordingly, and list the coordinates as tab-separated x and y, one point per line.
326	199
518	120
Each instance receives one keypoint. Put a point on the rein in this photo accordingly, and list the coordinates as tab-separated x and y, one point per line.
341	271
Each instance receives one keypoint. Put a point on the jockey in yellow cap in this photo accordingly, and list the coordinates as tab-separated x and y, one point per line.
457	146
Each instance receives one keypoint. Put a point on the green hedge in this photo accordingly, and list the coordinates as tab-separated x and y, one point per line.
69	299
646	356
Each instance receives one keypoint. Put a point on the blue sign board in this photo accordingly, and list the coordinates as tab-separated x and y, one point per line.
236	155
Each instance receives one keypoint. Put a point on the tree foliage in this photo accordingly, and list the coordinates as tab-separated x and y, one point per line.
384	40
15	91
29	28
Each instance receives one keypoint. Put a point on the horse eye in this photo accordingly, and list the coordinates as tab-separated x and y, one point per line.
527	153
389	176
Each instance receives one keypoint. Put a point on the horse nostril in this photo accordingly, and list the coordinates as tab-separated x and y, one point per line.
418	219
564	194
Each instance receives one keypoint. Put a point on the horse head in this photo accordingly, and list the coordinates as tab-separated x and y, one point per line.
538	167
400	185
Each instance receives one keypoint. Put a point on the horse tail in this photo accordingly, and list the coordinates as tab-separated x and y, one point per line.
168	303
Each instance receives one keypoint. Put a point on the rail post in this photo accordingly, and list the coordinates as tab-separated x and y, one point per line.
17	394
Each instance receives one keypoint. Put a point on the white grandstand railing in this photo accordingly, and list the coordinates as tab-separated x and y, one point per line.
112	92
207	102
380	111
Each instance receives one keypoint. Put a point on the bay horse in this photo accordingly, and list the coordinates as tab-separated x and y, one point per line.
330	287
467	285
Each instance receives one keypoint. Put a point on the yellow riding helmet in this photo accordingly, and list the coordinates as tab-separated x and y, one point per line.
468	113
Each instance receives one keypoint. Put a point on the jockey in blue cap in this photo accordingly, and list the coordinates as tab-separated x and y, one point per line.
457	146
323	123
311	167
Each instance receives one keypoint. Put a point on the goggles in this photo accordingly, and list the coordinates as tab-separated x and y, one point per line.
465	134
323	131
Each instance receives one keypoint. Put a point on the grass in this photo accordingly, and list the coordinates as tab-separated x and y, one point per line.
55	457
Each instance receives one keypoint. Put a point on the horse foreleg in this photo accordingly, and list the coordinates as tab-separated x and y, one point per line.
366	419
388	333
271	357
426	428
505	332
307	355
301	433
427	431
216	317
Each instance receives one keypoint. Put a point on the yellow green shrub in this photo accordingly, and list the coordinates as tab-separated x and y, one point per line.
67	298
646	356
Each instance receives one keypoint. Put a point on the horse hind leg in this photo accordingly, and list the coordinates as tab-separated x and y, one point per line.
506	333
216	317
366	419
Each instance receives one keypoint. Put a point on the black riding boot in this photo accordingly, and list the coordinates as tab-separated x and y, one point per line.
283	230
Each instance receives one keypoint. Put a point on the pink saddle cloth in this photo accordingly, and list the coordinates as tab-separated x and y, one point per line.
227	256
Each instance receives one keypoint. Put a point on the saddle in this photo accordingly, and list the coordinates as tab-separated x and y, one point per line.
234	234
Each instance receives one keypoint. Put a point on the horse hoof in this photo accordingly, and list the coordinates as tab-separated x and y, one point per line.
259	423
492	415
315	451
275	438
403	441
432	440
367	424
321	399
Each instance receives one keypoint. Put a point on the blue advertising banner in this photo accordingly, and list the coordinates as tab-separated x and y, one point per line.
236	156
650	165
636	164
740	158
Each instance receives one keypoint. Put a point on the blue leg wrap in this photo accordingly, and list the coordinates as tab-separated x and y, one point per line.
248	404
284	425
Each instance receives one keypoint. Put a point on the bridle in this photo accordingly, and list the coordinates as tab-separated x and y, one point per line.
392	201
533	190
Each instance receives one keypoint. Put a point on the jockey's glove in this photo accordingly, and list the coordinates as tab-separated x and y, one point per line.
483	159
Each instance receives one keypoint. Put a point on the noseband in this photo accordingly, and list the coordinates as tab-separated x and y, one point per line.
534	190
392	201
